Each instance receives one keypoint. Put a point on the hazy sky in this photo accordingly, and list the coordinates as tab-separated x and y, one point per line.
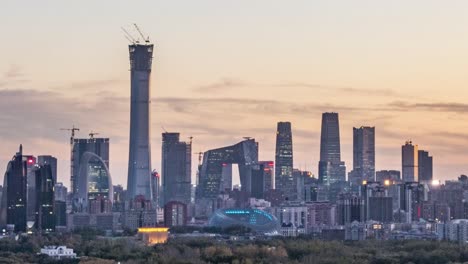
223	70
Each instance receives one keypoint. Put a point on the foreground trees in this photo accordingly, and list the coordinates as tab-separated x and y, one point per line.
95	249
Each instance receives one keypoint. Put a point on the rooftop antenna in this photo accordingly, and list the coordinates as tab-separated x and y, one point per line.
164	129
129	36
141	34
191	139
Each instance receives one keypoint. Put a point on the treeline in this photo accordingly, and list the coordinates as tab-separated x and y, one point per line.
237	230
92	249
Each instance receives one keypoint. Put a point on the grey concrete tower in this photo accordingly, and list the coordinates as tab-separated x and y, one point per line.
139	161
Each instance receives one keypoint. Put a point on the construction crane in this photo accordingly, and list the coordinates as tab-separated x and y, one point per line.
91	134
141	34
73	129
129	36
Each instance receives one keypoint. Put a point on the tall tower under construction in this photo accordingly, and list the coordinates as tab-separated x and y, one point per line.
139	160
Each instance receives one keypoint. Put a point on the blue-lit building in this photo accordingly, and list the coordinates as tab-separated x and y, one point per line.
257	220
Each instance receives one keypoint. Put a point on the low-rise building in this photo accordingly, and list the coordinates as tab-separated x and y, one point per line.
58	252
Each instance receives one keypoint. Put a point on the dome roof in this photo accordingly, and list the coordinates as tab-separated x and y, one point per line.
255	219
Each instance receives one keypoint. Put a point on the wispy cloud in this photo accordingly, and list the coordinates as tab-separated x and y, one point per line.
226	84
13	77
221	85
436	107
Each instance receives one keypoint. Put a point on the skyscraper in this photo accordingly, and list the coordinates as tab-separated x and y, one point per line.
331	168
52	161
31	187
409	161
364	153
284	180
45	213
90	159
261	179
425	166
14	198
176	169
139	160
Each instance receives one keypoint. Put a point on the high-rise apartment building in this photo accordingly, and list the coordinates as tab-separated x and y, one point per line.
409	160
176	169
139	160
284	180
364	153
331	168
425	166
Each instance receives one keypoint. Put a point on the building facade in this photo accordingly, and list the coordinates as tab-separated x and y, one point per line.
176	169
90	155
425	167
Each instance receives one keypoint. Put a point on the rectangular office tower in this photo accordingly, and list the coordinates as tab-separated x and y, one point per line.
14	198
425	167
139	158
364	153
284	180
409	162
176	169
90	156
331	168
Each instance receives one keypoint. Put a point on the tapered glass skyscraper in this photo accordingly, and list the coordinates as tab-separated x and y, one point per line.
331	168
139	161
284	180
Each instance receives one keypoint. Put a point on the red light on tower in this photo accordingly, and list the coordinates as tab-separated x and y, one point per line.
30	161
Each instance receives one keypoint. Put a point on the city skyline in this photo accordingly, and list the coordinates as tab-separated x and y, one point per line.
393	94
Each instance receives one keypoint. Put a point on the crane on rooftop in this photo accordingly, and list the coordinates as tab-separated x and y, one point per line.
72	129
91	134
141	34
129	36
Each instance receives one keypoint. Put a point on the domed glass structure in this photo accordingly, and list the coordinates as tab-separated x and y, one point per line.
255	219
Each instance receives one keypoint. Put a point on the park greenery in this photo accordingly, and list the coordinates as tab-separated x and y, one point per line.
91	247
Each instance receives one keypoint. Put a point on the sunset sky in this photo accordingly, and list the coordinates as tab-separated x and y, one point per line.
223	70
